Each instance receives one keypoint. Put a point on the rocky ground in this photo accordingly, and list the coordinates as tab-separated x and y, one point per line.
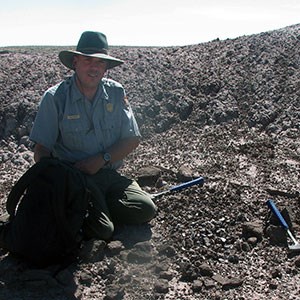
226	110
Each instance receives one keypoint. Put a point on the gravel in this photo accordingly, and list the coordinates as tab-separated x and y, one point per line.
227	110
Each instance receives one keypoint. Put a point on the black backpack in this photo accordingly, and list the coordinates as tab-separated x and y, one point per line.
47	207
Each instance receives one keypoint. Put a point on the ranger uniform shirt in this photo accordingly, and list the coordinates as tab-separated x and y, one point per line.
73	128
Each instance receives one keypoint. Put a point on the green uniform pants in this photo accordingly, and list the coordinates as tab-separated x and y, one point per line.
115	200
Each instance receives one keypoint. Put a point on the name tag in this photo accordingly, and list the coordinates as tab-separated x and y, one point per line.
73	117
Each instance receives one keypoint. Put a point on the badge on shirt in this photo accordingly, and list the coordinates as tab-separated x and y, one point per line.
109	107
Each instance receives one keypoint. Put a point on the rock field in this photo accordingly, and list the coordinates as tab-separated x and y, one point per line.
227	110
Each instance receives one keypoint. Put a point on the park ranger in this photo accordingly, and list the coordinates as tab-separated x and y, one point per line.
87	120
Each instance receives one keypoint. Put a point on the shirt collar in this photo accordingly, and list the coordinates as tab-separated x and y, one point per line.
77	95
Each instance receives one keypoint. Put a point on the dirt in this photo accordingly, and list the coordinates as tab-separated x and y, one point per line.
227	110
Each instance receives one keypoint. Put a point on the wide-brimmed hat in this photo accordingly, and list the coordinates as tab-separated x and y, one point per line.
92	44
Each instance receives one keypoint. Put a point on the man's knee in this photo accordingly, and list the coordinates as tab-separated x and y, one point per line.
149	210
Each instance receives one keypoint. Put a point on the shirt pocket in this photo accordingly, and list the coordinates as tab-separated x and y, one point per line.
74	132
111	129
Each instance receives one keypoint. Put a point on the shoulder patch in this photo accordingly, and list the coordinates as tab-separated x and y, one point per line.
126	102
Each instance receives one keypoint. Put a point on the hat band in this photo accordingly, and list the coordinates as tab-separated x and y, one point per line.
92	50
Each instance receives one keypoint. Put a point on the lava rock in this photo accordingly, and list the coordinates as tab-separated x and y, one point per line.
253	229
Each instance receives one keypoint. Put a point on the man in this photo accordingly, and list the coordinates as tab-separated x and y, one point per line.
87	120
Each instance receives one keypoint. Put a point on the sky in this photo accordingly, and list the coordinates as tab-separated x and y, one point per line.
140	22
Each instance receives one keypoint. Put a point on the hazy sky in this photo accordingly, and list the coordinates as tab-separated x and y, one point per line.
141	23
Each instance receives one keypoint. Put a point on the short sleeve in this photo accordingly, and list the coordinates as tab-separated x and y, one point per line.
129	127
129	124
45	127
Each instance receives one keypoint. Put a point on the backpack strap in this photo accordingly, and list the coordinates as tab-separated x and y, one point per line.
21	185
59	206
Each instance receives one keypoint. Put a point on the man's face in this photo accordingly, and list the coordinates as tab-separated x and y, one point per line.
89	70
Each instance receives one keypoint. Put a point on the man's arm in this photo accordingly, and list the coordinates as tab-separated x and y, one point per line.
117	151
40	151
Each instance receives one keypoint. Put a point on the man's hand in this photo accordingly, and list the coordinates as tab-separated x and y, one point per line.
90	165
117	151
40	151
